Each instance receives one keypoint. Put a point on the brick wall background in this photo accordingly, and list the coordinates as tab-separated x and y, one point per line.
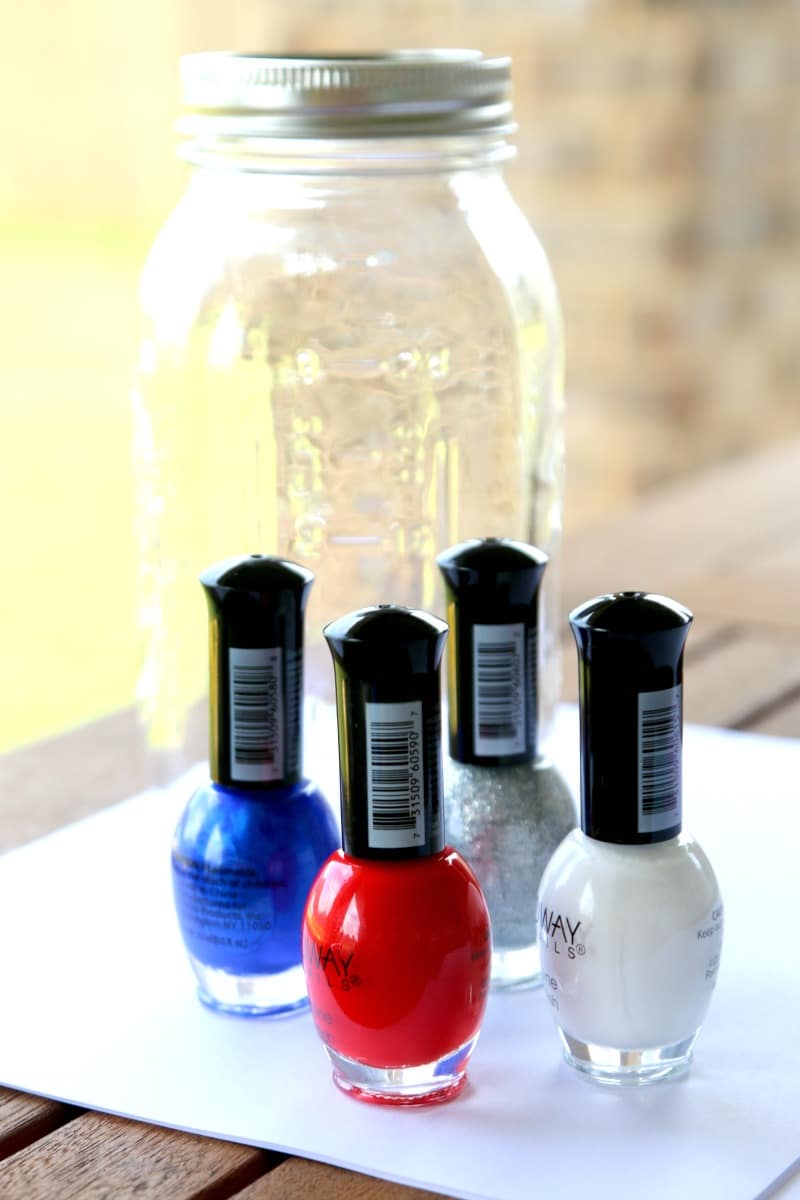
660	159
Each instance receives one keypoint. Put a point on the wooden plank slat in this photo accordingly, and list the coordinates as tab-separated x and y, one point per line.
781	719
751	596
743	677
298	1179
60	779
100	1157
67	777
724	531
778	554
25	1119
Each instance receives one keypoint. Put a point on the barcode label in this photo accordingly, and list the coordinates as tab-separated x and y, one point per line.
498	683
659	760
395	787
256	714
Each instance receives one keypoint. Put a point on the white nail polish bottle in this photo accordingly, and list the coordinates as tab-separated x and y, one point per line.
629	911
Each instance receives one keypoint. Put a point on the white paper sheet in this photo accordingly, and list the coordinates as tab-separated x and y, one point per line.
97	1008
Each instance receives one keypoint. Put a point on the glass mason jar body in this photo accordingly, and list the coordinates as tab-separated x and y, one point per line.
352	359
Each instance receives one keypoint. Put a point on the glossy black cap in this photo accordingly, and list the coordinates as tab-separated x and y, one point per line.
492	596
386	661
630	666
255	608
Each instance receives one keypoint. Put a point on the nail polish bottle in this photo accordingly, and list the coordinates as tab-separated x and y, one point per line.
397	943
630	915
251	840
507	807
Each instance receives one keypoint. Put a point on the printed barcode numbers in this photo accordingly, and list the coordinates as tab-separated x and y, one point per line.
395	791
659	760
256	714
498	665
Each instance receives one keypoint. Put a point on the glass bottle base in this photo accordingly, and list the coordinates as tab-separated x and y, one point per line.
429	1083
516	969
251	995
625	1068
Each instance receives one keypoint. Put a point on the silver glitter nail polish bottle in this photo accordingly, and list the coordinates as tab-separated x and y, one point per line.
506	807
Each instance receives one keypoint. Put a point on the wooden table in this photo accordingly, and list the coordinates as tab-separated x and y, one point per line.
727	543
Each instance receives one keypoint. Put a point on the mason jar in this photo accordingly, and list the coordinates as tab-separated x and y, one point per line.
352	351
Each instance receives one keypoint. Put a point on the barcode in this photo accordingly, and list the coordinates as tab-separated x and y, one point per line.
659	760
293	698
395	789
498	665
256	714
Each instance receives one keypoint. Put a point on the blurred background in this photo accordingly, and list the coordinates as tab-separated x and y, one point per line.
658	159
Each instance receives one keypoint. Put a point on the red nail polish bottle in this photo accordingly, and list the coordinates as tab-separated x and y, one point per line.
396	938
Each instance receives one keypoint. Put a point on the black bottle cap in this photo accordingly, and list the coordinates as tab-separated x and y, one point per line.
630	666
492	593
255	608
386	661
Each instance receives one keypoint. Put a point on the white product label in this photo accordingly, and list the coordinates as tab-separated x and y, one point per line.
395	784
629	957
498	683
659	760
256	714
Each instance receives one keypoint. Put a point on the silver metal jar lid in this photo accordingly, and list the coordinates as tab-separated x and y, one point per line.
405	93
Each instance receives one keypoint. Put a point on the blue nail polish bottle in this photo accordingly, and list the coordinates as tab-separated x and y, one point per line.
251	841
